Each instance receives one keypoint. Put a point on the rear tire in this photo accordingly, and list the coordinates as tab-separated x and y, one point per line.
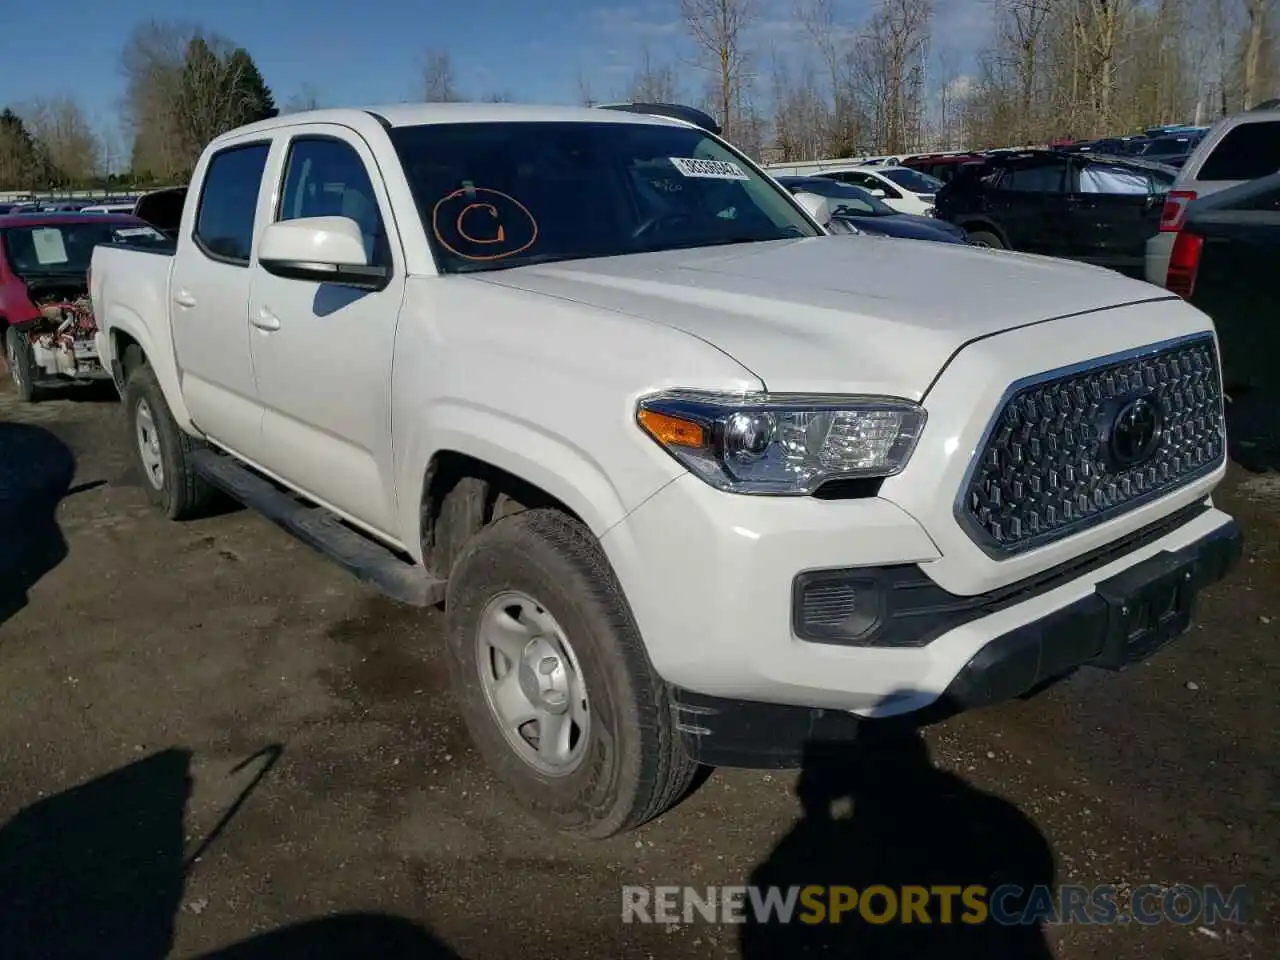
22	366
539	582
161	450
984	238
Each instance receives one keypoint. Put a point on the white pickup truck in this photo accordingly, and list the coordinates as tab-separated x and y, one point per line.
695	481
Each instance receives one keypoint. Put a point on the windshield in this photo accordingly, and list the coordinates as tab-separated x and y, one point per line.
51	248
913	180
845	199
502	194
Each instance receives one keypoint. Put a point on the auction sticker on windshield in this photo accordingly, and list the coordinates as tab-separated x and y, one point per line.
710	169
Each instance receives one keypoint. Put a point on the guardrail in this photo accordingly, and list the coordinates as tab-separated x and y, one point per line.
17	196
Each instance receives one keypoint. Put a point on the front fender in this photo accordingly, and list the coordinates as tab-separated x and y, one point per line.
527	450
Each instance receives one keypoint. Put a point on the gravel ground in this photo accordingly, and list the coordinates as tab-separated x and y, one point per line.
213	740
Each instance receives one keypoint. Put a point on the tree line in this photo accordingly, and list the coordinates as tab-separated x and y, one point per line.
835	85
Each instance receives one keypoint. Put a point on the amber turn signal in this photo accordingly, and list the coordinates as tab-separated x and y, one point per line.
672	431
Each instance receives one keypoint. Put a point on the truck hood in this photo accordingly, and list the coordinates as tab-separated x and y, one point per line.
835	314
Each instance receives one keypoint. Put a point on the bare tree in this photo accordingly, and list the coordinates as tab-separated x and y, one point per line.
800	113
66	138
890	70
1022	24
653	83
307	98
718	29
831	40
585	95
439	85
1256	15
152	63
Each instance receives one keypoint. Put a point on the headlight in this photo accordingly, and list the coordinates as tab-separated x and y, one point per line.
782	444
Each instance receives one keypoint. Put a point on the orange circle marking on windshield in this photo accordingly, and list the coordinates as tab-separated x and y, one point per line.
493	213
471	191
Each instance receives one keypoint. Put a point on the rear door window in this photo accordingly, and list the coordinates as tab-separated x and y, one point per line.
1041	178
1248	151
1114	179
229	202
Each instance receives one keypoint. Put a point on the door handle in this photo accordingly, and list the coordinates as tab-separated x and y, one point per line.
264	319
184	299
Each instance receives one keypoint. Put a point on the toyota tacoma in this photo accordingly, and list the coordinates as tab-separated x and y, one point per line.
694	481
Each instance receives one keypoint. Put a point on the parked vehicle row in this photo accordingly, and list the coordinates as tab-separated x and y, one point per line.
109	205
1100	210
867	213
697	482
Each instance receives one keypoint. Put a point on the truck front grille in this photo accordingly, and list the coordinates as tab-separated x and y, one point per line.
1074	447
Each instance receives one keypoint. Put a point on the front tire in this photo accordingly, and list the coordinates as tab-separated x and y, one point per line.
555	686
22	367
162	452
984	238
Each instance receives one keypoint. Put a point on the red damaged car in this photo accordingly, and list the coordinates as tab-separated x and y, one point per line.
46	319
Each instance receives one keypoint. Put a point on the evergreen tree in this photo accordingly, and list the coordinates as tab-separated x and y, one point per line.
17	152
24	164
254	96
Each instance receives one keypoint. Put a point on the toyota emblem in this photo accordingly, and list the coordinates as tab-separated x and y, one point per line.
1135	432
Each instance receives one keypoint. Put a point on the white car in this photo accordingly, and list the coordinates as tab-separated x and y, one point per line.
904	189
695	481
1235	149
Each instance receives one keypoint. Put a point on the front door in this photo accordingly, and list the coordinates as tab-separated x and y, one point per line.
322	352
209	294
1029	203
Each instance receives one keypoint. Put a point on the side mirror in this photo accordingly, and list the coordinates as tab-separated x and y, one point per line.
321	250
877	192
815	206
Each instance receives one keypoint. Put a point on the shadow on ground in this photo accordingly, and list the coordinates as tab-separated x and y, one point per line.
36	469
878	812
99	871
1253	431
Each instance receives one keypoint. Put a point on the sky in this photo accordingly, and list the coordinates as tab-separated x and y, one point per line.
364	52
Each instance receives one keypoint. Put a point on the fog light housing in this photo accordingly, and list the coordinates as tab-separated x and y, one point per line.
837	606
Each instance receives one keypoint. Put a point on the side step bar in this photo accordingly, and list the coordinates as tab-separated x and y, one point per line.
376	565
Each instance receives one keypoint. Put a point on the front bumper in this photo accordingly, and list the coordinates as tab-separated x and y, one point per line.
1124	619
709	578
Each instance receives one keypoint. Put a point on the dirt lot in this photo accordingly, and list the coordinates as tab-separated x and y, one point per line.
207	733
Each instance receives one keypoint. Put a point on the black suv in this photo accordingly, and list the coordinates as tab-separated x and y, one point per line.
1100	210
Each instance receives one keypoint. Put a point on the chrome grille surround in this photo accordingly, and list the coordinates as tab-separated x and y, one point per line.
1042	470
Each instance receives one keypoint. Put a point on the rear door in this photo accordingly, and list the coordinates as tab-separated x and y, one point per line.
1113	210
209	294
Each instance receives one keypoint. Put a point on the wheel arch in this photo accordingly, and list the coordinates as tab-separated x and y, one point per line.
971	223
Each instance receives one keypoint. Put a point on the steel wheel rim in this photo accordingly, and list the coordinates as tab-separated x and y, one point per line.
533	683
149	444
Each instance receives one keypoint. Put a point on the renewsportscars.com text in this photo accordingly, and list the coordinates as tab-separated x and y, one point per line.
973	904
